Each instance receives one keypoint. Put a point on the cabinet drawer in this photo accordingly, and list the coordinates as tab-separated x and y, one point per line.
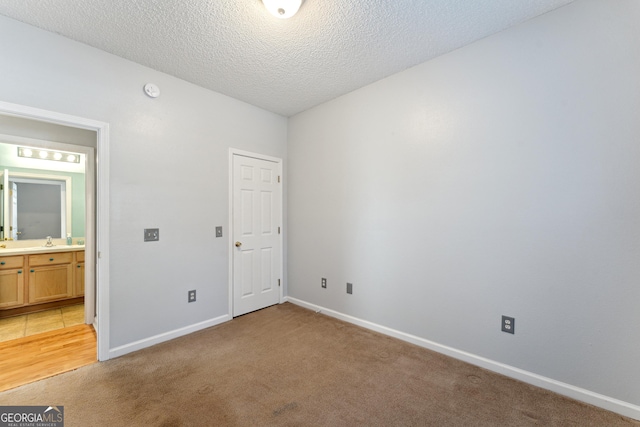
11	262
80	256
50	259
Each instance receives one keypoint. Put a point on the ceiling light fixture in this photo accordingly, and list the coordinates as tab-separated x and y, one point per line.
49	155
282	8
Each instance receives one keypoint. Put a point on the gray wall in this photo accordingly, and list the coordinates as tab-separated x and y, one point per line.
168	169
501	178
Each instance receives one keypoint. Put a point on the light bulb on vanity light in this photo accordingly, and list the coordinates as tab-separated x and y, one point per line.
282	8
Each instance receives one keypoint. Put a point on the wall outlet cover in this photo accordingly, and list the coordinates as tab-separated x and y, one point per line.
323	282
350	288
218	231
192	296
508	324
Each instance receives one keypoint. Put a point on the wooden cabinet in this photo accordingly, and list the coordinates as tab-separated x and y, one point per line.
11	281
50	277
42	278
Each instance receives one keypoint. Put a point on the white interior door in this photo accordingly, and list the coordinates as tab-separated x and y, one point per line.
256	234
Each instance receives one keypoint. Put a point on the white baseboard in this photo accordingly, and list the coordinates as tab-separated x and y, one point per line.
157	339
577	393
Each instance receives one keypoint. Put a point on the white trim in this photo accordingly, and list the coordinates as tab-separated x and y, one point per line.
236	152
99	245
577	393
166	336
233	151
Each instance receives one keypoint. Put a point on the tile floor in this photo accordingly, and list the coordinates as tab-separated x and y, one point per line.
43	321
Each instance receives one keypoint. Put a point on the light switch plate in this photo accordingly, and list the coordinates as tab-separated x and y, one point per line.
151	234
219	231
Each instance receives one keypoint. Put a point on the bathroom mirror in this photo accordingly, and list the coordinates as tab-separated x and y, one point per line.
39	200
36	205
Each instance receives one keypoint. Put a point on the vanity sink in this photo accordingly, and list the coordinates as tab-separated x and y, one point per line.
38	249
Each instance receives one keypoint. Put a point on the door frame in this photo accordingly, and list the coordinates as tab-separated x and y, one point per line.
97	208
230	247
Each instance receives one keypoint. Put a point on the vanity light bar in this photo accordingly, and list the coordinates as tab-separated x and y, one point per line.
37	153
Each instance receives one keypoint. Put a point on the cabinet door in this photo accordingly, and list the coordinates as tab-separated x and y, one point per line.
79	284
11	288
50	283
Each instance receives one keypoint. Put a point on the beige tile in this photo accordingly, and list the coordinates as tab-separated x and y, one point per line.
10	321
39	326
73	309
8	335
12	328
73	315
44	321
47	314
73	318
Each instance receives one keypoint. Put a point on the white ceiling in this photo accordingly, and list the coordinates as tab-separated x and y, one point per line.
234	47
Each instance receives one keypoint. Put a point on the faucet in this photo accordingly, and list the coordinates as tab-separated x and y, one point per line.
3	246
49	243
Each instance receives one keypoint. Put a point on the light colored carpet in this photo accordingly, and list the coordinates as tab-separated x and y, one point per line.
287	366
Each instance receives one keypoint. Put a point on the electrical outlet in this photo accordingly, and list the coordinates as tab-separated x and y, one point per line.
508	324
349	288
219	231
323	282
151	234
192	296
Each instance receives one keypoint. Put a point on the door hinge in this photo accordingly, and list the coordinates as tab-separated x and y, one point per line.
1	186
278	178
278	282
278	230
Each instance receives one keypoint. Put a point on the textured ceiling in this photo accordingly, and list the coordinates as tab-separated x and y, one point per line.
235	47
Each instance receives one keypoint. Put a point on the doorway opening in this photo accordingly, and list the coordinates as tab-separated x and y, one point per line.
96	239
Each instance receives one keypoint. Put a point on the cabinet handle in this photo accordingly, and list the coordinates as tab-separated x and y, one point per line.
33	271
50	259
1	262
79	266
19	271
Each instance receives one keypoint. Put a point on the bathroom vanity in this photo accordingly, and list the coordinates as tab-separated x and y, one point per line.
34	279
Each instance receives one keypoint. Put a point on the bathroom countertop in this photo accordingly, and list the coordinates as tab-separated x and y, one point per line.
40	249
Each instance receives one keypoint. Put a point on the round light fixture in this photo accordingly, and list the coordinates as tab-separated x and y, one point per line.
43	154
282	8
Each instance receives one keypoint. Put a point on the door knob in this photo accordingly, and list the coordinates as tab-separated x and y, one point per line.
238	244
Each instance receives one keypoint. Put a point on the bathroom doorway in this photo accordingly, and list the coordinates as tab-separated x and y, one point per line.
20	123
